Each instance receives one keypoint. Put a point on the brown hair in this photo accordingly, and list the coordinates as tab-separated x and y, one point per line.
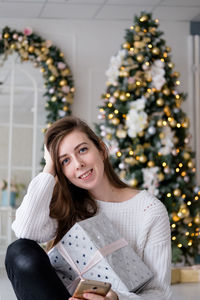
70	203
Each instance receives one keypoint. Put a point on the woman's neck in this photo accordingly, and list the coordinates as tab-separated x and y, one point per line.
109	193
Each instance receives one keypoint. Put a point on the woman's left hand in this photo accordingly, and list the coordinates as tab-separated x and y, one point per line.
110	296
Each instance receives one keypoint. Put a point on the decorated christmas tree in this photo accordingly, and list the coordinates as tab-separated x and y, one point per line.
147	132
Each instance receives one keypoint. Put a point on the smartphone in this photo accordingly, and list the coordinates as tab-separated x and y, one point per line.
91	286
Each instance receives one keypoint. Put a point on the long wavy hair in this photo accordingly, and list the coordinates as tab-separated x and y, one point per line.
70	203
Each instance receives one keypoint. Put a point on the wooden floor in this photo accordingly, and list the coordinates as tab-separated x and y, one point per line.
187	291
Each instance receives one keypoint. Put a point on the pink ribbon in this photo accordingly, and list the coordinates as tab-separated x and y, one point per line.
96	258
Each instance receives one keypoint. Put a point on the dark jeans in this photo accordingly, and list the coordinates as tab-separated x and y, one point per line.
31	274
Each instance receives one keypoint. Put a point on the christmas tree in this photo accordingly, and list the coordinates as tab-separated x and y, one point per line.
147	132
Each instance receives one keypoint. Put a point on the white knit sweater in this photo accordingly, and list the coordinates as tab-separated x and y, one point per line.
141	220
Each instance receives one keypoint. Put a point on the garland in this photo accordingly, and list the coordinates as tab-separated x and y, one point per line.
57	75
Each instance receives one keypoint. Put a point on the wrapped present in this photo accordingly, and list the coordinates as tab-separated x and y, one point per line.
190	274
93	249
175	275
186	274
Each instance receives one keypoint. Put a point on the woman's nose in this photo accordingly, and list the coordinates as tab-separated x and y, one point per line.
79	164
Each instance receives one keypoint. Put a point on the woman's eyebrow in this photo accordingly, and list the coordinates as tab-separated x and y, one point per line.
77	146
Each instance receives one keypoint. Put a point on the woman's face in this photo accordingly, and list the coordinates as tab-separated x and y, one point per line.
81	162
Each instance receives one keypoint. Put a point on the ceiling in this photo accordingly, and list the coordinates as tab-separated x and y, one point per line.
170	10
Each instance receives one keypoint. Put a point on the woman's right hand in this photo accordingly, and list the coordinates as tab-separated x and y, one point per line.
49	165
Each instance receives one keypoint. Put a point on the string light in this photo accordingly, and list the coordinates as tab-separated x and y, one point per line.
180	165
196	198
189	203
169	195
187	233
190	243
177	82
173	238
190	224
178	125
110	104
116	111
183	196
180	245
110	116
119	154
173	225
131	152
177	170
164	164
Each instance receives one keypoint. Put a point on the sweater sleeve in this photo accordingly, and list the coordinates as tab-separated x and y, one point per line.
32	219
155	250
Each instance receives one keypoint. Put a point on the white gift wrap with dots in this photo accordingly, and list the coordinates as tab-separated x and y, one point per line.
123	268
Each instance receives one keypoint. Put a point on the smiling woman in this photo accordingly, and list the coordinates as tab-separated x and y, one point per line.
78	182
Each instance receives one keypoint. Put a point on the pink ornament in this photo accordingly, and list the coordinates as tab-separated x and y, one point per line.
61	66
48	43
28	31
20	38
65	89
15	36
131	80
51	91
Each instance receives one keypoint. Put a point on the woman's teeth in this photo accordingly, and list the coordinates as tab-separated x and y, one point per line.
86	174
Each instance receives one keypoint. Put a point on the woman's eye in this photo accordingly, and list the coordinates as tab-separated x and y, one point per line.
65	161
84	149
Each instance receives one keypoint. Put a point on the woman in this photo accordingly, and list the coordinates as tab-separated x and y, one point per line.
78	182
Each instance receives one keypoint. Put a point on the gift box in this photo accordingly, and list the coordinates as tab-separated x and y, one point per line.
175	275
93	249
186	274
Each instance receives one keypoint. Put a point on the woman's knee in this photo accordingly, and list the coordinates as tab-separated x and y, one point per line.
24	255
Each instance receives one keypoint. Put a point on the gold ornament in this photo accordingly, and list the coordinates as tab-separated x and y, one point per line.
123	73
152	30
6	35
65	72
13	46
31	49
108	136
116	94
159	123
175	217
183	211
140	58
61	54
126	45
160	102
197	219
144	18
176	74
168	49
130	160
187	220
178	102
115	121
49	61
173	123
161	135
150	164
190	164
42	70
122	96
177	192
137	28
167	111
52	78
133	182
122	174
142	158
186	155
171	65
45	50
65	108
53	99
161	176
166	91
121	133
155	50
63	82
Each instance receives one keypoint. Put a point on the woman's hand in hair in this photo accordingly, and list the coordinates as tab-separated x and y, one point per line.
49	165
